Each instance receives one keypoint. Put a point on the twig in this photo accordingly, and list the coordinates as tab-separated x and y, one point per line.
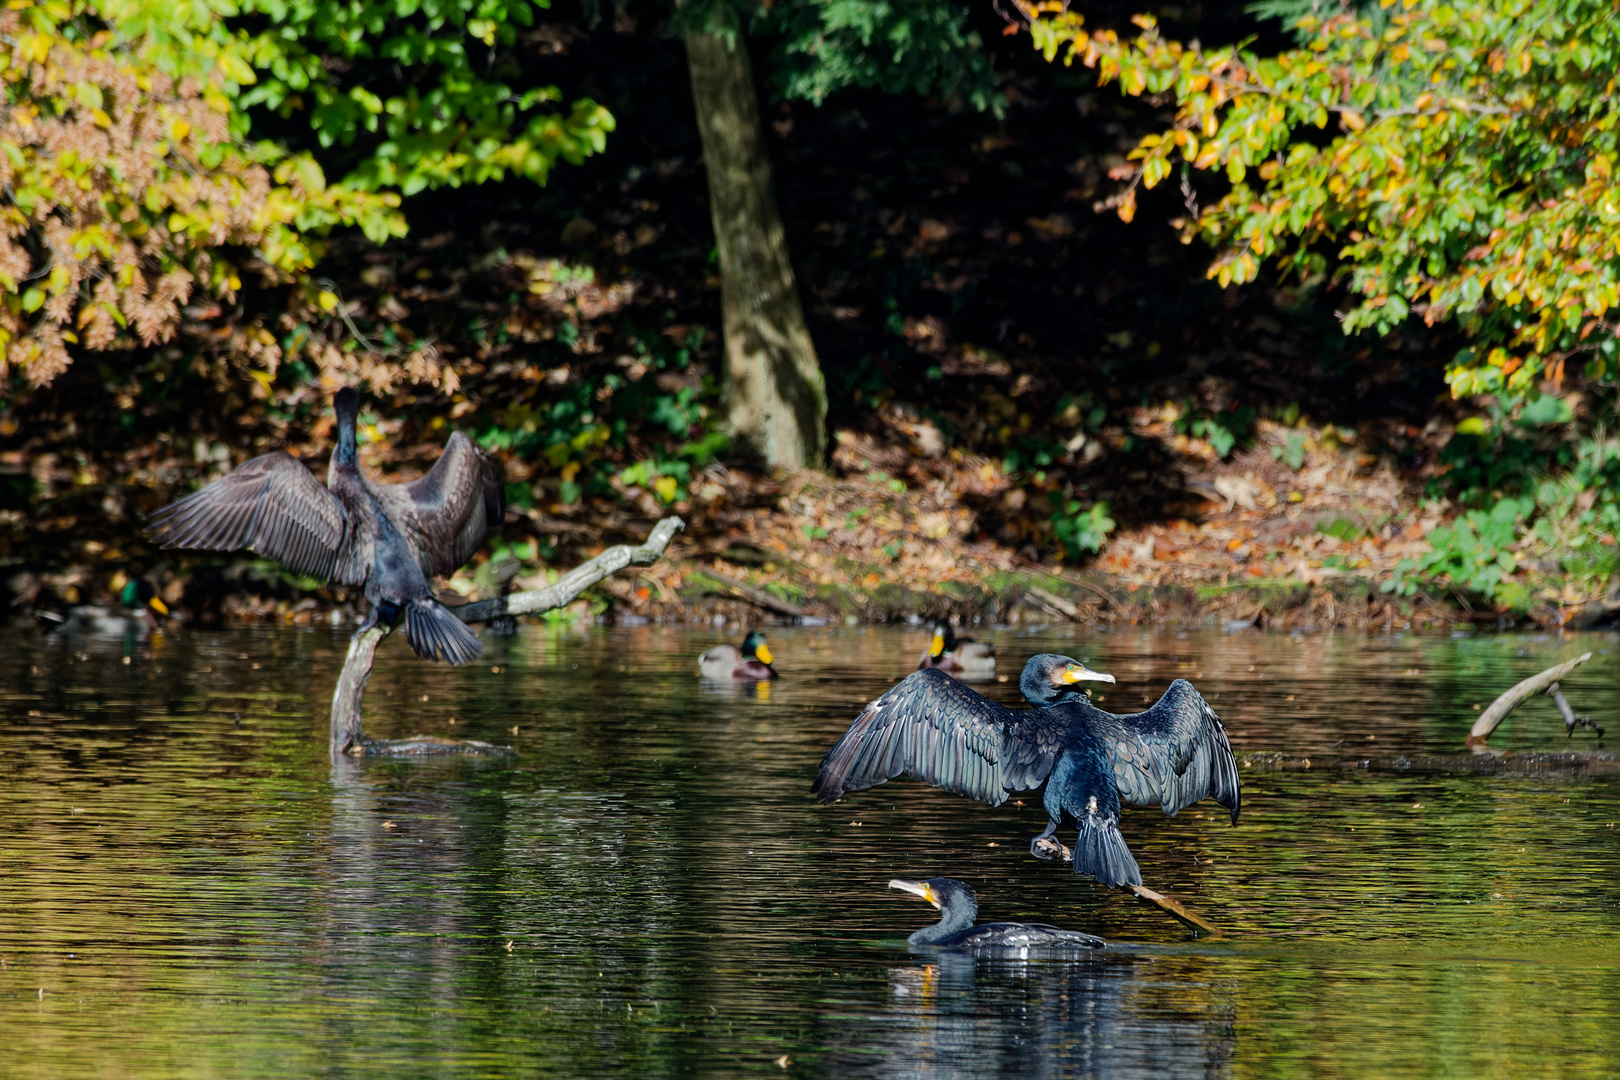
757	597
1535	684
577	580
1167	904
1055	602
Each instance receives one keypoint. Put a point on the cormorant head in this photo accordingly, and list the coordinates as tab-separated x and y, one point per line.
944	640
956	900
139	593
1048	678
754	647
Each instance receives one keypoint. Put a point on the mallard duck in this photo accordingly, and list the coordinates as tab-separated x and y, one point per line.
752	661
139	606
958	906
1093	762
963	657
386	537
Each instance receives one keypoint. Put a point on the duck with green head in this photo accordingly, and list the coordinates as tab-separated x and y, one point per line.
139	605
965	658
753	661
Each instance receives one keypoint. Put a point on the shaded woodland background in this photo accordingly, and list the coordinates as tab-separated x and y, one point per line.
997	347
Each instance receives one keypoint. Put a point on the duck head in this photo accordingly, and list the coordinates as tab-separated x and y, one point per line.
139	595
753	647
1048	678
944	640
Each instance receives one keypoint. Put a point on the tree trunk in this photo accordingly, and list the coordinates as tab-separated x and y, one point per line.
776	400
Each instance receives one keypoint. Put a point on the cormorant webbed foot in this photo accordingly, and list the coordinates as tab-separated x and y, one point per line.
1571	721
1044	846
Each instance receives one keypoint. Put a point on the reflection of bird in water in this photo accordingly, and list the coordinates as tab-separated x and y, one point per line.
939	731
959	906
752	661
139	606
962	657
388	537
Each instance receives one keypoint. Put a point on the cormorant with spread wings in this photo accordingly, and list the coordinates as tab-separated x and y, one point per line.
390	538
935	729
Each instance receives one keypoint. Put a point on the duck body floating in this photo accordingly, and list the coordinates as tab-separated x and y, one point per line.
958	906
753	661
134	616
965	658
389	538
1093	762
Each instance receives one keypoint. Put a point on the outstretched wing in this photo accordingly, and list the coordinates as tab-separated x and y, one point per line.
272	505
1171	755
452	508
937	730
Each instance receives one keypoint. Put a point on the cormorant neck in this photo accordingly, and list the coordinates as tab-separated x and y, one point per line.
957	915
348	411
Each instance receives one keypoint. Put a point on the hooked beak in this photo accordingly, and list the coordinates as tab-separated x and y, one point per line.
764	654
938	646
1078	672
917	888
158	606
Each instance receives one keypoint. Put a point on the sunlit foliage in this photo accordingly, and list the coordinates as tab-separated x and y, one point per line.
131	180
1450	160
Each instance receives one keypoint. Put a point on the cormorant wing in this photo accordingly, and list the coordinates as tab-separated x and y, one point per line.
453	507
941	732
271	505
1172	755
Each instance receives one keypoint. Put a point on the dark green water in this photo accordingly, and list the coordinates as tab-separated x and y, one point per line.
648	889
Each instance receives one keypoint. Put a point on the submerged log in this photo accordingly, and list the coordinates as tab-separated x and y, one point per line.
347	734
1535	684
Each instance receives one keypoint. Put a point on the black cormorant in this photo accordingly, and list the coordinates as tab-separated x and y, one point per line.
962	657
959	906
388	537
752	661
941	732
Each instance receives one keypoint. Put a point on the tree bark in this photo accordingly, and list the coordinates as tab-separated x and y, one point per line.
776	399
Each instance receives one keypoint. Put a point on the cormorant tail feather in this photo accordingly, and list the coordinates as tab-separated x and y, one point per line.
1099	850
436	634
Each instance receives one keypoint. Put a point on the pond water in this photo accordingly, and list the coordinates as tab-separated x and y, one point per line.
189	888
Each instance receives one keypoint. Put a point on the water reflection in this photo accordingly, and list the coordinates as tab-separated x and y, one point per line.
1120	1017
648	886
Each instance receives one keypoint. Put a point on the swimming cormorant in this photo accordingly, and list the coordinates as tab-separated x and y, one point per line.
752	661
959	906
391	538
962	657
939	731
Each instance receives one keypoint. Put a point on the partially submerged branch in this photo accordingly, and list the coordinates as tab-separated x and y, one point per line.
348	737
1167	904
1535	684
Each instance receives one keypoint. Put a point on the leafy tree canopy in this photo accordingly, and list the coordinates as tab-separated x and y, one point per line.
130	161
1452	160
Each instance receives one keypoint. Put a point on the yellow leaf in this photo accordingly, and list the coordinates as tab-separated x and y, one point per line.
179	130
666	488
101	118
1352	120
328	300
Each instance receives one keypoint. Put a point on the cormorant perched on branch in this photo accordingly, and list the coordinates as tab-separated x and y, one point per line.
959	906
941	732
388	537
962	657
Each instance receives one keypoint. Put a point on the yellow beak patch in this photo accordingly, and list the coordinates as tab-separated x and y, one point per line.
939	645
158	606
764	654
